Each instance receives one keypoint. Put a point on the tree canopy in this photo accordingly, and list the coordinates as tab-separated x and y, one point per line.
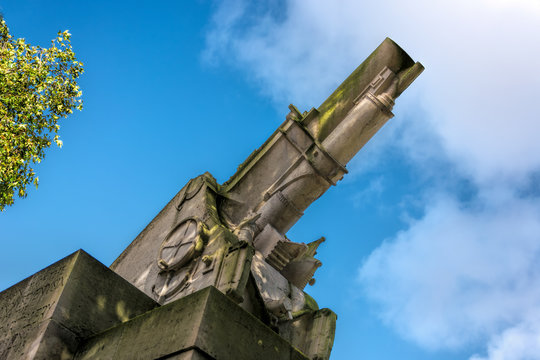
38	86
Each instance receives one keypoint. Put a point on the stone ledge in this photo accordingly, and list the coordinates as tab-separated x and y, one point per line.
203	325
46	315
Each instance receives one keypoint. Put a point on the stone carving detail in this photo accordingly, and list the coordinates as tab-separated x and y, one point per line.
22	314
183	244
233	236
191	189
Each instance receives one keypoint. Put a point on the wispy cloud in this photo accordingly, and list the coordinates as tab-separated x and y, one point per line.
463	270
370	193
516	343
460	274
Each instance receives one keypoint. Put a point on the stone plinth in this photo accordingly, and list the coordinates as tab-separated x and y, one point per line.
46	315
204	325
79	309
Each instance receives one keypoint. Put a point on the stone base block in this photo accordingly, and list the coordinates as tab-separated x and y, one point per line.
203	325
46	315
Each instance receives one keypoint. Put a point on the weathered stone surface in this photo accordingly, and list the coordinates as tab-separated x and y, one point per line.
46	315
269	167
217	256
209	255
203	325
138	262
27	307
188	355
335	107
225	235
312	332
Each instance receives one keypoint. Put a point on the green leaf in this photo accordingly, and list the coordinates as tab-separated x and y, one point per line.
38	86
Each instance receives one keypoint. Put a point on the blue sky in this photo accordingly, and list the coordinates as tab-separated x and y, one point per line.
433	239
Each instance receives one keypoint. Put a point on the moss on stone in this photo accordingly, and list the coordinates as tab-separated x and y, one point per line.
334	109
310	303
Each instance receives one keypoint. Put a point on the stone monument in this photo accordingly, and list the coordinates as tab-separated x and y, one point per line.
214	275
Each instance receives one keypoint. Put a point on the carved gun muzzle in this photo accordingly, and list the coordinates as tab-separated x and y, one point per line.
309	151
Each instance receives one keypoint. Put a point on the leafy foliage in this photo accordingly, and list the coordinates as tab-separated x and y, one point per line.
37	87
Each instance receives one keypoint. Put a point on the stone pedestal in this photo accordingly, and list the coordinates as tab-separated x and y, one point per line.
46	315
203	325
79	309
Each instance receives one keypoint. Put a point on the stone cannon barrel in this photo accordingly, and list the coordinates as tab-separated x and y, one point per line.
307	154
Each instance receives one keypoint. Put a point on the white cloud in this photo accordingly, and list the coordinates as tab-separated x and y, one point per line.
460	273
517	343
